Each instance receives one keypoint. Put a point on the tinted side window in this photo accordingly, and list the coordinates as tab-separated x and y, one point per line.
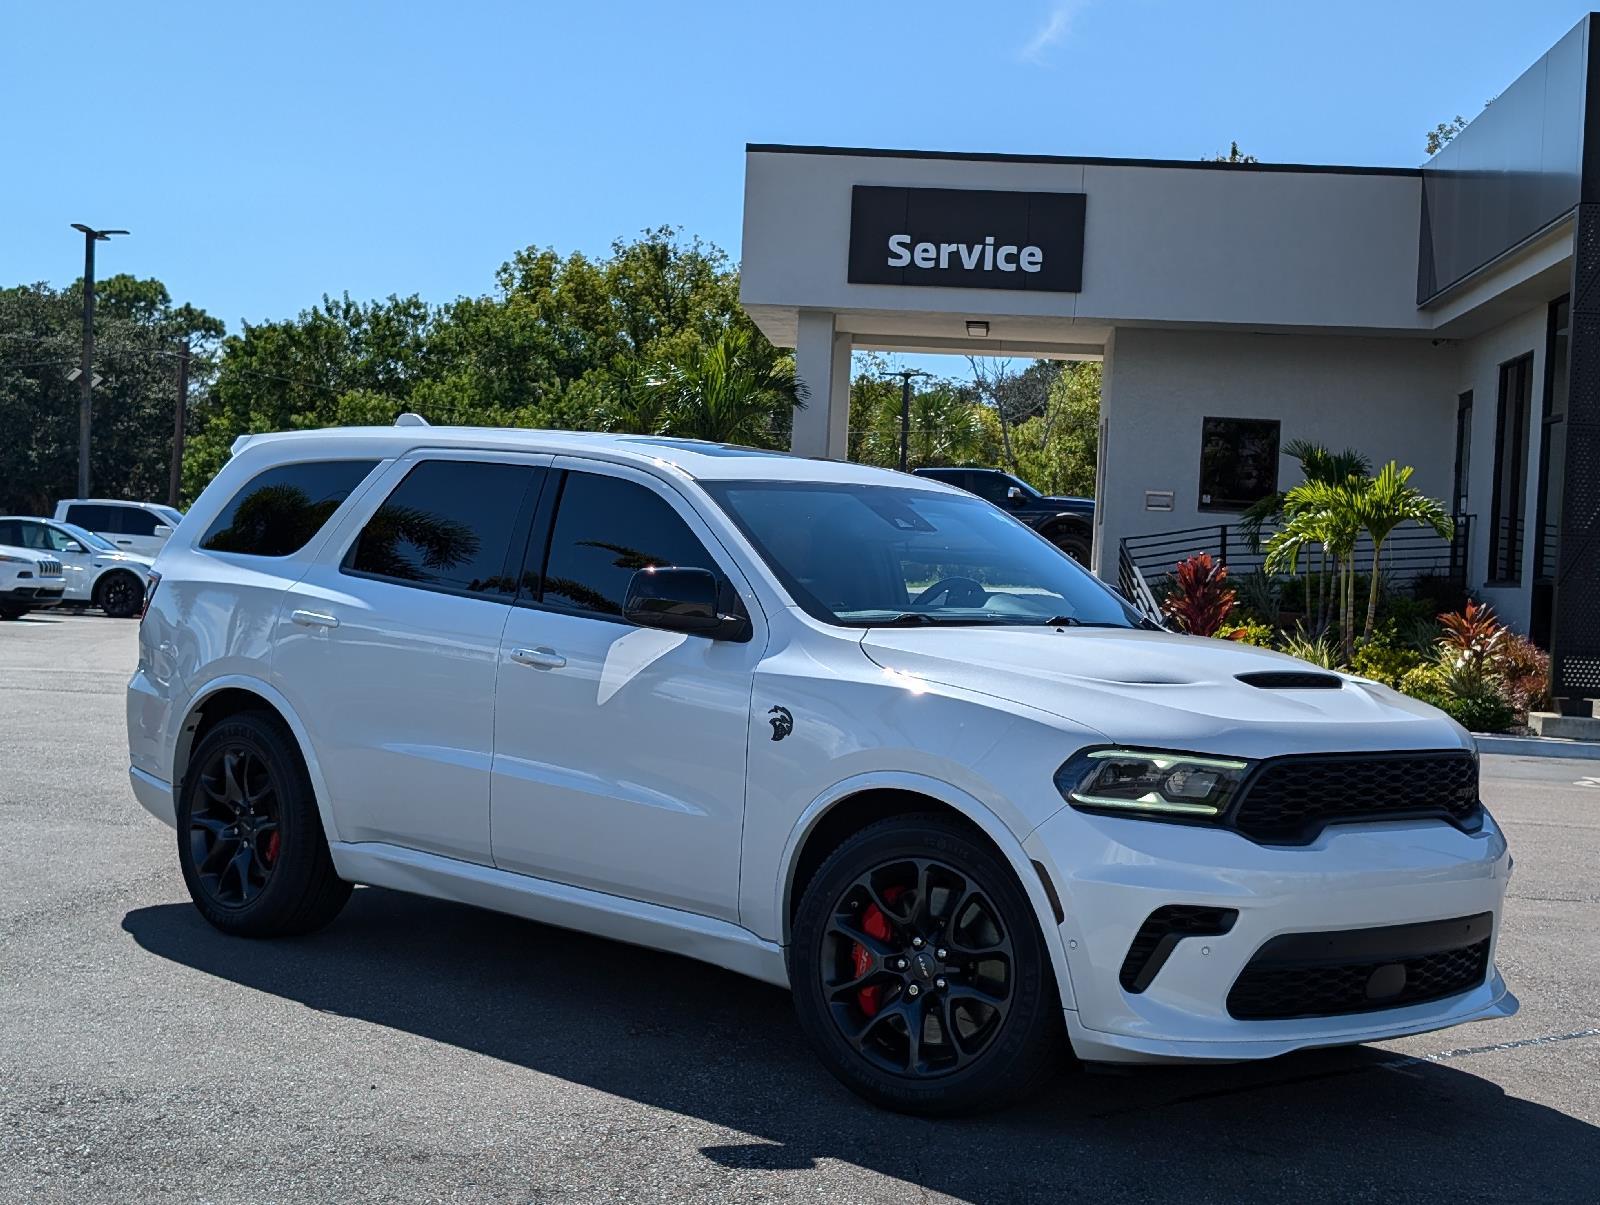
989	486
447	526
279	510
136	521
95	518
11	533
605	529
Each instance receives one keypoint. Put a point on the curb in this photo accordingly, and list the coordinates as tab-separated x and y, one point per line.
1537	746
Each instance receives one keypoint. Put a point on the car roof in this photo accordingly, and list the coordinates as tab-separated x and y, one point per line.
698	459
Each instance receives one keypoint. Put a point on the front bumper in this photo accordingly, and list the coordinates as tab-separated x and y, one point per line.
37	598
1113	872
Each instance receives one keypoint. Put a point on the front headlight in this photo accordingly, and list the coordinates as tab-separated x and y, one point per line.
1151	782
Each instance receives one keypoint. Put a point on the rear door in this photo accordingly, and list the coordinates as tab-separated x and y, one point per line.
104	521
619	758
387	647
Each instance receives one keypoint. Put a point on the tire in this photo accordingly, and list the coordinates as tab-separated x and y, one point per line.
13	612
276	879
1072	542
119	594
908	869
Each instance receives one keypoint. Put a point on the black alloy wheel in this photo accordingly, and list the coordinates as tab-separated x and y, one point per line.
119	595
234	836
920	973
250	839
917	968
1073	543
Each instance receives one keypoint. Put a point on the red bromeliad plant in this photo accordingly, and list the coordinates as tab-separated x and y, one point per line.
1200	599
1473	641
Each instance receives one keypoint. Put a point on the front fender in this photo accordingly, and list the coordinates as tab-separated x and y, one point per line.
969	806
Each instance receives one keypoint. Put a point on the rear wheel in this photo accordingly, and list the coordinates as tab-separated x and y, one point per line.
250	842
920	975
119	594
13	612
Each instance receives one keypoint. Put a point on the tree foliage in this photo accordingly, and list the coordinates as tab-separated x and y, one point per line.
137	333
650	338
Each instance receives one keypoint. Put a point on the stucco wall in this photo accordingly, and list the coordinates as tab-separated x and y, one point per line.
1390	398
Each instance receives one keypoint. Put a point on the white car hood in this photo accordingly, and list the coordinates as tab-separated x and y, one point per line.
1163	689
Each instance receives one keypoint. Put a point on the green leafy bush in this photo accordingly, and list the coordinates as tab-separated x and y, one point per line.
1319	650
1386	663
1262	635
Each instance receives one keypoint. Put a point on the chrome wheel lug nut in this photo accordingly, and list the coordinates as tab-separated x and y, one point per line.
913	990
939	983
941	953
899	964
916	943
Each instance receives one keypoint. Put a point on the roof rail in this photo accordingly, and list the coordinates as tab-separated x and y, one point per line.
410	420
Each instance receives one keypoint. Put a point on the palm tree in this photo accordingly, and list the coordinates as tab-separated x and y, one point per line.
1317	463
734	390
1386	502
1329	516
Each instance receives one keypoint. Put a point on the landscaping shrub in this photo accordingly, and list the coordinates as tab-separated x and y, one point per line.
1200	598
1319	650
1262	635
1385	662
1524	675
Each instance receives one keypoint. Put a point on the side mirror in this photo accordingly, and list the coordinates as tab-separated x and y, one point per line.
162	531
1014	495
72	546
681	600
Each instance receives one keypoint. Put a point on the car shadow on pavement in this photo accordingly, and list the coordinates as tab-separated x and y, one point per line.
1354	1124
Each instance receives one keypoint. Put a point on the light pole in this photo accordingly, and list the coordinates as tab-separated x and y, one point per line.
86	368
906	376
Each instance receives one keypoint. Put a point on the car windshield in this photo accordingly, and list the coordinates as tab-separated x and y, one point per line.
173	517
875	555
87	538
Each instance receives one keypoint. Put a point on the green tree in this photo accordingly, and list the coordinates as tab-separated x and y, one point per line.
1234	155
1439	137
737	389
1385	502
138	331
1328	515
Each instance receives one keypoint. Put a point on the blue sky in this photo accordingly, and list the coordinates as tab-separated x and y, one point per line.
265	154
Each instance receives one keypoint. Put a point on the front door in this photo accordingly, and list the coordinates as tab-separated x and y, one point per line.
619	757
386	648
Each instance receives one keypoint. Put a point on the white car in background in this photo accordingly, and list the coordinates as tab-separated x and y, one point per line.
138	527
30	580
97	572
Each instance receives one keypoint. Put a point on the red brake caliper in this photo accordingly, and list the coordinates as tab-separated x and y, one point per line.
874	924
269	853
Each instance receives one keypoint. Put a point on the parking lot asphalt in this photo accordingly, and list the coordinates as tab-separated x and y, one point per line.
421	1051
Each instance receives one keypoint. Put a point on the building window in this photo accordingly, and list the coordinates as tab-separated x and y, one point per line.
1510	472
1238	462
1463	451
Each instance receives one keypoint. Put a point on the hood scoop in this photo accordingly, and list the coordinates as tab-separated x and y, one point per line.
1290	680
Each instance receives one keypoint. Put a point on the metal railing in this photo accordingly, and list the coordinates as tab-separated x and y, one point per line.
1411	552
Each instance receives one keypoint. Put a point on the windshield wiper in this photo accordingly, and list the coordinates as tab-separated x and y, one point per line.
912	619
1072	621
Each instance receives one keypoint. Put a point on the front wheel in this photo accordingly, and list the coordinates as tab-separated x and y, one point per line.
250	841
119	595
920	975
1074	543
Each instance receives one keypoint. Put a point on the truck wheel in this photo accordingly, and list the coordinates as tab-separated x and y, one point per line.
13	612
1074	543
250	841
920	975
119	594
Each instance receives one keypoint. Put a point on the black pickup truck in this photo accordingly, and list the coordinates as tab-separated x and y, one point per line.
1068	523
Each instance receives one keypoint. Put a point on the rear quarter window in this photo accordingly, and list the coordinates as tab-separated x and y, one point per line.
278	511
95	517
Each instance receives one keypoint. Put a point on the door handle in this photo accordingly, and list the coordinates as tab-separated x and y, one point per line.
125	541
539	658
314	619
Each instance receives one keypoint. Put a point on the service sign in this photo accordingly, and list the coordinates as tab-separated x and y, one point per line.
965	238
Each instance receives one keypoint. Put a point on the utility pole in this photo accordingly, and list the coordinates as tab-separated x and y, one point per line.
86	367
178	419
905	411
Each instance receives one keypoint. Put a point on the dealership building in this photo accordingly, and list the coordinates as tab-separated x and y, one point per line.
1447	317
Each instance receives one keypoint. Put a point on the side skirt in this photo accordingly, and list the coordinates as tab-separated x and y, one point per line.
718	942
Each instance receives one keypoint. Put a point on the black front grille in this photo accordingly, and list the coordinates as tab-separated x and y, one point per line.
1362	970
1289	800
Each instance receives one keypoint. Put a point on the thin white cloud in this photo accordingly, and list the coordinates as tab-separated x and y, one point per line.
1057	25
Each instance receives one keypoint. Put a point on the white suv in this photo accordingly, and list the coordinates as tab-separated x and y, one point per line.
841	729
30	580
142	528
